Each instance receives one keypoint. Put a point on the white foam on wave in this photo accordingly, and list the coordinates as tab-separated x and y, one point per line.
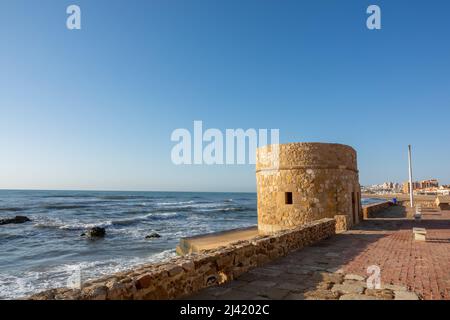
30	282
172	219
174	203
145	217
196	206
81	226
45	222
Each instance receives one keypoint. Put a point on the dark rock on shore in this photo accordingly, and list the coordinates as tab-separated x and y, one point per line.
153	235
16	219
95	232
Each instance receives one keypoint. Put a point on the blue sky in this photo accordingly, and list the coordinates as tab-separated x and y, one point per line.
94	108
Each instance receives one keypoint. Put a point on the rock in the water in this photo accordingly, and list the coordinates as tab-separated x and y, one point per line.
153	235
16	219
95	232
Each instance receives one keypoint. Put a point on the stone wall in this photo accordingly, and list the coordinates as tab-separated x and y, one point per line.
321	179
341	223
183	276
428	204
425	201
370	209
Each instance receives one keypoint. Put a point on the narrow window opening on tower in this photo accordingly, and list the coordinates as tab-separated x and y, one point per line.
354	207
288	198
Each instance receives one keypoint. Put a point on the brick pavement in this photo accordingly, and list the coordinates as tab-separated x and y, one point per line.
336	268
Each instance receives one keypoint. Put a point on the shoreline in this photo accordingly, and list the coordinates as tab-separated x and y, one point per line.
59	219
182	276
184	269
172	249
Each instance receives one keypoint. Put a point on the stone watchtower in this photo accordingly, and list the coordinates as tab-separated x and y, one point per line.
301	182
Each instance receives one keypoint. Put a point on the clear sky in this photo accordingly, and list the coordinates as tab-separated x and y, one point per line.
94	108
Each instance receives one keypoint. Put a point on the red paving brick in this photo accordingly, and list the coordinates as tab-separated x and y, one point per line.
424	267
386	241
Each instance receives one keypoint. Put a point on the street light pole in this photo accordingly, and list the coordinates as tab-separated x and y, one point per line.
411	189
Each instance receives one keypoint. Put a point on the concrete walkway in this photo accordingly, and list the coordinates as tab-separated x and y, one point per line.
337	267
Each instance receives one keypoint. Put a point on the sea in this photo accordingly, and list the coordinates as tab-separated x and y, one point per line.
45	252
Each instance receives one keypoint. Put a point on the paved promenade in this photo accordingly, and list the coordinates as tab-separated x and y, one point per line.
336	268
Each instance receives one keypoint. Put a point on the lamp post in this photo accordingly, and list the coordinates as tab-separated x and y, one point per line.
411	189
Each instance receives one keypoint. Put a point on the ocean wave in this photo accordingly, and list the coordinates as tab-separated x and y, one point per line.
82	226
124	197
9	237
30	282
153	215
44	222
68	225
235	209
195	205
65	196
174	203
11	209
203	207
226	209
127	217
65	206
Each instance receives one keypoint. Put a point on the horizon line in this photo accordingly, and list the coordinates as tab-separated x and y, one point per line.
116	190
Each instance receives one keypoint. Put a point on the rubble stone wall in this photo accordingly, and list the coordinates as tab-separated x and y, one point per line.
370	210
428	204
182	276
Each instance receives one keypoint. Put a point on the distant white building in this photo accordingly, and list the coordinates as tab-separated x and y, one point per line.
443	191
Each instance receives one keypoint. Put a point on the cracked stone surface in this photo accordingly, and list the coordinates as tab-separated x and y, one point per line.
353	277
348	288
404	295
354	296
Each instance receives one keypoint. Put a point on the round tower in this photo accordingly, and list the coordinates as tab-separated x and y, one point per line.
301	182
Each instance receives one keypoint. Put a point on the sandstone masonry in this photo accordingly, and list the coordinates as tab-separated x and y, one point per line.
370	210
305	182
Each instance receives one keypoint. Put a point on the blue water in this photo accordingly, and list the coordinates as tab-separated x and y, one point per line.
44	253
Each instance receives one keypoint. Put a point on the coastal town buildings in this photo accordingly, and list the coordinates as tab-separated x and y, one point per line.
384	188
432	183
416	185
423	187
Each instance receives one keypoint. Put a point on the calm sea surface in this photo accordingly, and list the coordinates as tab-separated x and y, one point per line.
44	253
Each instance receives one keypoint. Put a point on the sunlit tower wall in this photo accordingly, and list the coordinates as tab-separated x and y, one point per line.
304	182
